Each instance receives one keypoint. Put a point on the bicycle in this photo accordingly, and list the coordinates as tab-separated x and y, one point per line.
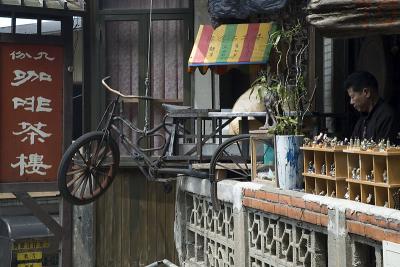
90	164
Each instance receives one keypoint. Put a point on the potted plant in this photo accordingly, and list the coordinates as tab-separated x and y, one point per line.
287	100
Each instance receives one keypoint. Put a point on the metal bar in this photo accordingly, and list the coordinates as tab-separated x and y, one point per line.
182	158
199	138
211	135
189	172
41	214
220	131
39	27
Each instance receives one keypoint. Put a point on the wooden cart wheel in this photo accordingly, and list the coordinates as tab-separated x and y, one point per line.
230	161
88	167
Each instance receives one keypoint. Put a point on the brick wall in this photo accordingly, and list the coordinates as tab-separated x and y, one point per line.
374	226
274	227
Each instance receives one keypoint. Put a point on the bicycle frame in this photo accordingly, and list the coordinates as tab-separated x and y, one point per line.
90	164
155	166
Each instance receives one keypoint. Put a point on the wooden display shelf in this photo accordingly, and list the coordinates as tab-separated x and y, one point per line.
322	176
372	152
324	149
383	168
386	185
314	185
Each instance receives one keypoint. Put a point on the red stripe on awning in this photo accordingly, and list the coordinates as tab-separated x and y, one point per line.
204	42
249	42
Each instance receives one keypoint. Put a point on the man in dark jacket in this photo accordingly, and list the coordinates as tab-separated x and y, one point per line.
377	119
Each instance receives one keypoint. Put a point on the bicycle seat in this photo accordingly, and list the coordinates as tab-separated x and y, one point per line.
171	108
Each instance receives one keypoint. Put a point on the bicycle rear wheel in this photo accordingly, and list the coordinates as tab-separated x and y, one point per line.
230	161
87	168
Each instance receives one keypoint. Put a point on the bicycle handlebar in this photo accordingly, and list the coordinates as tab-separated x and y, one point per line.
103	81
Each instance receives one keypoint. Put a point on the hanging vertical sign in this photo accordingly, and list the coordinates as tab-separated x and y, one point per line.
31	115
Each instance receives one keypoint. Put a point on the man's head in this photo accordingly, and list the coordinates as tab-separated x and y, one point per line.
362	88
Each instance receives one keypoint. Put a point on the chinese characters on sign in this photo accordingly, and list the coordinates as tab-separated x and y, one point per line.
31	112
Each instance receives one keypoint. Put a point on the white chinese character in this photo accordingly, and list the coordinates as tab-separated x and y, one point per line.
34	165
28	103
22	77
45	54
42	104
32	131
19	55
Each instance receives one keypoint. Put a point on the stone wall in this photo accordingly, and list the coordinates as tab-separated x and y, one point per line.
262	226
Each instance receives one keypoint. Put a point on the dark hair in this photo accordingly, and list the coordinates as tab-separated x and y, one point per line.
361	79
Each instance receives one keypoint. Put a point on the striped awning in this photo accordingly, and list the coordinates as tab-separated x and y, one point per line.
231	44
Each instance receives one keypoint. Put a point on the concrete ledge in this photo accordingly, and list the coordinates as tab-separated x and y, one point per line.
373	222
377	223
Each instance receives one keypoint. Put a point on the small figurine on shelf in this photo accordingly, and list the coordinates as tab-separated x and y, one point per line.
334	142
371	144
358	143
370	198
381	145
325	140
333	194
386	205
358	172
347	194
345	141
332	171
387	144
307	141
351	143
311	168
318	139
323	169
370	176
357	198
363	145
354	173
384	176
322	193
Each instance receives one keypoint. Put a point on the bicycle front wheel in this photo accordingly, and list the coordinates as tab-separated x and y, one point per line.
230	161
88	167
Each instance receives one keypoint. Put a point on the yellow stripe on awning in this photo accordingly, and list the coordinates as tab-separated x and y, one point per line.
237	43
232	44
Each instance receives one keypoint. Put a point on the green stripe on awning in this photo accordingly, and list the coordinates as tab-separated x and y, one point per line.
226	43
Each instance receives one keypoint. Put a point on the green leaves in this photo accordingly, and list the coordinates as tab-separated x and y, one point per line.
284	90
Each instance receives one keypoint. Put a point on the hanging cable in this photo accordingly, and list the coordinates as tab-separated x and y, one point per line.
147	79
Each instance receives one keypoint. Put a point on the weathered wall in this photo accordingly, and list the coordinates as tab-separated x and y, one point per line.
134	222
259	225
